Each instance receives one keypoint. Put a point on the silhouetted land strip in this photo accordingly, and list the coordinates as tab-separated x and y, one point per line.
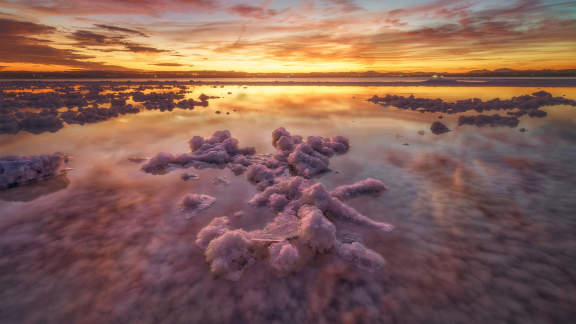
134	74
445	82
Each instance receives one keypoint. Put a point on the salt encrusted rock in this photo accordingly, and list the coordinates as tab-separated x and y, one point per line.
258	173
307	162
278	202
230	254
159	164
284	257
195	203
289	187
303	207
370	187
218	151
309	158
438	128
216	228
319	196
315	230
21	170
526	102
359	256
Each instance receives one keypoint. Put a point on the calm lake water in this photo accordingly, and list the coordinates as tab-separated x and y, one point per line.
485	218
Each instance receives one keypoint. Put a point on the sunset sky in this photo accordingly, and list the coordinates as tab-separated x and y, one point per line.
287	35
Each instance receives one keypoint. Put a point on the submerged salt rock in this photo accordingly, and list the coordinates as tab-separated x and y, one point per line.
220	181
189	176
319	196
358	255
21	170
340	210
316	230
284	257
229	255
216	228
195	203
370	186
438	128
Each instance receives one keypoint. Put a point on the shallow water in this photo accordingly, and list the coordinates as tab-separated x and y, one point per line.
485	218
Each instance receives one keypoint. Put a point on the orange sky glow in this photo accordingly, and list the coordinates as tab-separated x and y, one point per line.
288	36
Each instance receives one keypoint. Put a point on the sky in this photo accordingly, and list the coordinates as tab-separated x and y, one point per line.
288	36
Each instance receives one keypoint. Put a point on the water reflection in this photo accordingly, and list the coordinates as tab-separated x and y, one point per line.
35	190
484	226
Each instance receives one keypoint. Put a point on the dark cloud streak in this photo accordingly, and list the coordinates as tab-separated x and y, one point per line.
87	38
249	11
20	45
122	30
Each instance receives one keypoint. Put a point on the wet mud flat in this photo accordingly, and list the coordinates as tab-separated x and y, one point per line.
483	225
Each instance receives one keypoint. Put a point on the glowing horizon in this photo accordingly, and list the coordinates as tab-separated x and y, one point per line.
290	36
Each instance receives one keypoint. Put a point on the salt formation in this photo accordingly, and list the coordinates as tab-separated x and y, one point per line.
230	254
517	106
525	103
284	257
371	187
309	158
86	102
217	227
305	209
315	230
21	170
361	256
219	151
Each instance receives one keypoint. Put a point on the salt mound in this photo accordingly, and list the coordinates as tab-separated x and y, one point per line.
284	257
315	230
217	227
304	208
218	151
229	255
21	170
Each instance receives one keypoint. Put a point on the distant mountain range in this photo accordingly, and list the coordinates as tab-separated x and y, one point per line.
233	74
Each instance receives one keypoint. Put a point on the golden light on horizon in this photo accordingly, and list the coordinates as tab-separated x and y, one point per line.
285	37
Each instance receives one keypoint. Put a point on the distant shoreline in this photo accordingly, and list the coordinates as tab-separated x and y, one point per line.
537	82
